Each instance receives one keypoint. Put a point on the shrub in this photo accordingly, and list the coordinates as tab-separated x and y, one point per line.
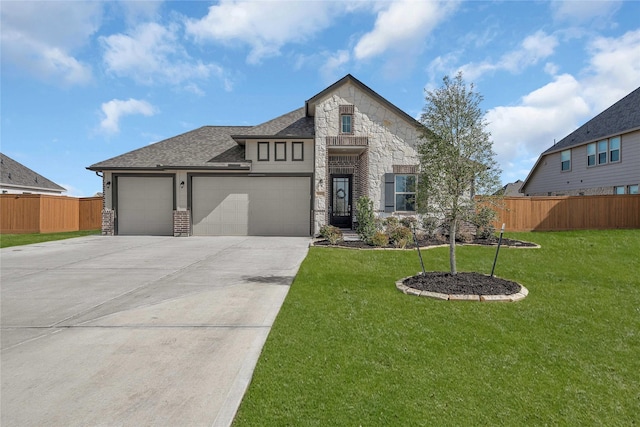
483	220
331	233
366	219
401	236
429	225
379	239
409	221
391	222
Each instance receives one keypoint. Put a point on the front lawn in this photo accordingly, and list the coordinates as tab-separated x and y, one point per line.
7	240
348	349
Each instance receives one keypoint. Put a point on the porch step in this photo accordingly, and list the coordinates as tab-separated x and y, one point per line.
349	235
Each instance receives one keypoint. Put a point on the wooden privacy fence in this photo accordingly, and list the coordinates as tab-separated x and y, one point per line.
42	213
569	213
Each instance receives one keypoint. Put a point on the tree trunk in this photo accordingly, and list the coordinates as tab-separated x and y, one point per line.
452	246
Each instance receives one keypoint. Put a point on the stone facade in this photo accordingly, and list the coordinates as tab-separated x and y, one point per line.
108	222
391	140
181	223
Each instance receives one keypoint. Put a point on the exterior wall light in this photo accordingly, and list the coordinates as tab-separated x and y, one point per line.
108	184
182	184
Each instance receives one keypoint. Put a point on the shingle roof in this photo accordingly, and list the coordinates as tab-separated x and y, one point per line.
622	116
14	173
294	123
197	148
203	147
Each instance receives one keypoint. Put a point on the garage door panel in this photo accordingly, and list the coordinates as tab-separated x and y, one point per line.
145	206
265	206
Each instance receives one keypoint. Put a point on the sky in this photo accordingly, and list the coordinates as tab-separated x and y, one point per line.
84	81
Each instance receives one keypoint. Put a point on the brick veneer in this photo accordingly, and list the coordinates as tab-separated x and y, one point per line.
108	222
181	223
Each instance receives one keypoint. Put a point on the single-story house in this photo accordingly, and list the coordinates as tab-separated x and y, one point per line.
600	157
288	176
16	178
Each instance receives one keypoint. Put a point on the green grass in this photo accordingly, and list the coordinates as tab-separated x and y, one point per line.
348	349
7	240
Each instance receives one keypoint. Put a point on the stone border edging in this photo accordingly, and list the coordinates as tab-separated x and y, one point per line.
444	245
461	297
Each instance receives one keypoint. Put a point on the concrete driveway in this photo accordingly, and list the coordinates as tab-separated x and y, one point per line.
137	330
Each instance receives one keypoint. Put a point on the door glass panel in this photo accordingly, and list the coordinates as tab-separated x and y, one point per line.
341	197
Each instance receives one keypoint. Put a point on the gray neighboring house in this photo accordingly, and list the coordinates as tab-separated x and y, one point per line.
288	176
600	157
15	178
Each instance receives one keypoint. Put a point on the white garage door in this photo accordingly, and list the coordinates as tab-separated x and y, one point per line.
247	206
145	205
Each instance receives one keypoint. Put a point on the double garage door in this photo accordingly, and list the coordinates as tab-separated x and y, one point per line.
251	206
220	206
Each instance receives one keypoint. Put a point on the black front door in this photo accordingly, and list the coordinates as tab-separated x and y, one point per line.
341	201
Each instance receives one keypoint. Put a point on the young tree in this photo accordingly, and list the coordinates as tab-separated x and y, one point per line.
456	157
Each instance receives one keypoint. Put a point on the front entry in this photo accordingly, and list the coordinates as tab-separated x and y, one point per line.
340	209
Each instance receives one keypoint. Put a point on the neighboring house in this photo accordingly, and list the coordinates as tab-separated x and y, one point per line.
288	176
511	190
600	157
15	178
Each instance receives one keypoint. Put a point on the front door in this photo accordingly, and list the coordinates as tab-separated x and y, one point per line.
341	200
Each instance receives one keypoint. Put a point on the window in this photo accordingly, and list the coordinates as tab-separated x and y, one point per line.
405	193
565	158
614	149
633	189
345	123
602	152
618	189
591	154
297	151
605	151
263	151
281	151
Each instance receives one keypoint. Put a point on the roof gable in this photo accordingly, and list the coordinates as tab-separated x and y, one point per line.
310	103
621	117
15	174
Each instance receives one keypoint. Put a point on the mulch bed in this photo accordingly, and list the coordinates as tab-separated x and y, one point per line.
424	243
462	284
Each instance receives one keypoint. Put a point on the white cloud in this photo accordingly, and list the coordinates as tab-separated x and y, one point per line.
583	11
264	26
152	53
335	65
402	26
42	37
115	109
533	49
543	115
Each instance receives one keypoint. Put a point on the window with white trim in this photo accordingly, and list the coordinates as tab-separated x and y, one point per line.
603	152
565	160
405	193
346	123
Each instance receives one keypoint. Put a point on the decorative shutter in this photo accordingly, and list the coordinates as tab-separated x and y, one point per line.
389	192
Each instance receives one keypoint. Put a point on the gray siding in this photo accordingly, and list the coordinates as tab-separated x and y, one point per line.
548	178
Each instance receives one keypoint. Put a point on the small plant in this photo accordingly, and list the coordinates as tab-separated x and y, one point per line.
331	233
483	220
379	239
409	222
366	219
391	222
429	225
401	236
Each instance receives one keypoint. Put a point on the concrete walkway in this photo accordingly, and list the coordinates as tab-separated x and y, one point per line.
137	330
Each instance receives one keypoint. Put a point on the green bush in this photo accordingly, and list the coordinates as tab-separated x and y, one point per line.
366	219
409	222
401	236
379	239
483	220
331	233
429	225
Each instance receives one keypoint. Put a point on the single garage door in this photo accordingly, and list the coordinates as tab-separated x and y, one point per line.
145	205
251	206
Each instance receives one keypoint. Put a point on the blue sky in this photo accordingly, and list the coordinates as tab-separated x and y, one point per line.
82	82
